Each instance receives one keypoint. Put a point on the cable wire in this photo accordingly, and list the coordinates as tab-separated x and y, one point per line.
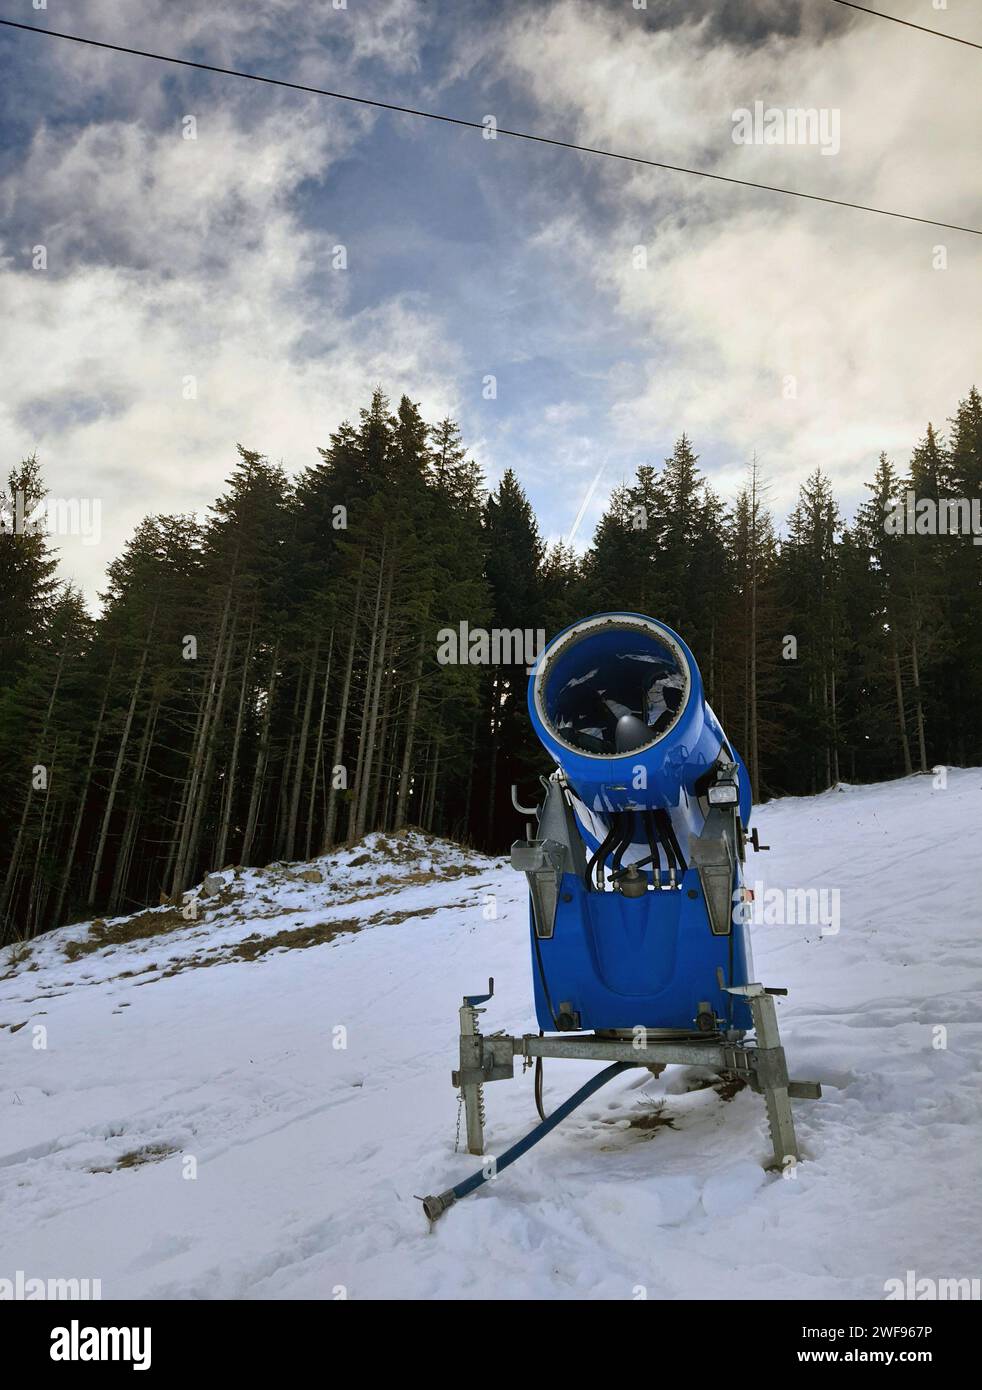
908	23
479	125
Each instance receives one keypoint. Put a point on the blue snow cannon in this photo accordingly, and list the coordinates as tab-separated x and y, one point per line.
637	901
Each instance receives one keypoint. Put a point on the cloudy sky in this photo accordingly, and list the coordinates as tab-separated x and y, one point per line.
616	306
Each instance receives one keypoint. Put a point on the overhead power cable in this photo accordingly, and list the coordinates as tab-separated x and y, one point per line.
908	23
479	125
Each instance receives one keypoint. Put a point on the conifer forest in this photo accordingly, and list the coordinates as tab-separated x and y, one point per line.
271	679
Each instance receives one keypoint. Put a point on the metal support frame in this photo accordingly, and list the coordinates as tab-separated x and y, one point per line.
471	1047
760	1062
772	1076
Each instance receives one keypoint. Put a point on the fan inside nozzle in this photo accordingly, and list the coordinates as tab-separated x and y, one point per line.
613	690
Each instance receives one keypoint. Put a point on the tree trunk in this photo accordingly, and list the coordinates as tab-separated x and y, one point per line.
125	856
468	795
32	914
402	804
202	737
204	781
835	717
754	749
118	767
229	797
368	753
901	716
356	792
318	750
918	704
493	765
431	801
262	757
332	796
291	829
13	868
282	813
83	798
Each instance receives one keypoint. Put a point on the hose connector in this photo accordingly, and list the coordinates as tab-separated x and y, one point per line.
436	1206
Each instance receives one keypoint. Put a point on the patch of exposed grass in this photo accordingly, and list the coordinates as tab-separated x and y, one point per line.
421	877
254	946
136	1158
648	1117
297	939
19	953
729	1086
652	1117
404	845
726	1087
389	919
153	922
169	918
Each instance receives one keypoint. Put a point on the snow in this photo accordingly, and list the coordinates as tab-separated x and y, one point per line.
285	1102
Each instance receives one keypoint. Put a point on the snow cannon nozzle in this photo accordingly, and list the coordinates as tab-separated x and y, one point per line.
618	702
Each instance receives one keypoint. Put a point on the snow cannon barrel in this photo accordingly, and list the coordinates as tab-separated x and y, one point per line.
617	700
635	864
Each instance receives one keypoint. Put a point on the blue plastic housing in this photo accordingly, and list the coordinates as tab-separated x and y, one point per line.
652	961
646	962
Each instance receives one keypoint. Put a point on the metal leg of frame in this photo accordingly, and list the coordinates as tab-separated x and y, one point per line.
473	1093
774	1080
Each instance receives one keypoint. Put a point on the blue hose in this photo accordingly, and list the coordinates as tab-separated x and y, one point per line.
435	1206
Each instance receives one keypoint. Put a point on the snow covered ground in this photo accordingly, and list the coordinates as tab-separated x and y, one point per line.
245	1105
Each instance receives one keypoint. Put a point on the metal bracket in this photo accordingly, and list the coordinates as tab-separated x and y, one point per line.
522	810
541	861
484	1059
714	853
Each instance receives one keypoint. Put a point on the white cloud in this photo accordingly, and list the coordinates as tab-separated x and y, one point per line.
211	277
743	290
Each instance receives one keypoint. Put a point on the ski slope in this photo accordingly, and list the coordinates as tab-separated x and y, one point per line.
220	1109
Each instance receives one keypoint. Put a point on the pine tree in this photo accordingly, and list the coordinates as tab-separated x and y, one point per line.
750	620
964	578
885	552
27	568
39	739
514	552
811	596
